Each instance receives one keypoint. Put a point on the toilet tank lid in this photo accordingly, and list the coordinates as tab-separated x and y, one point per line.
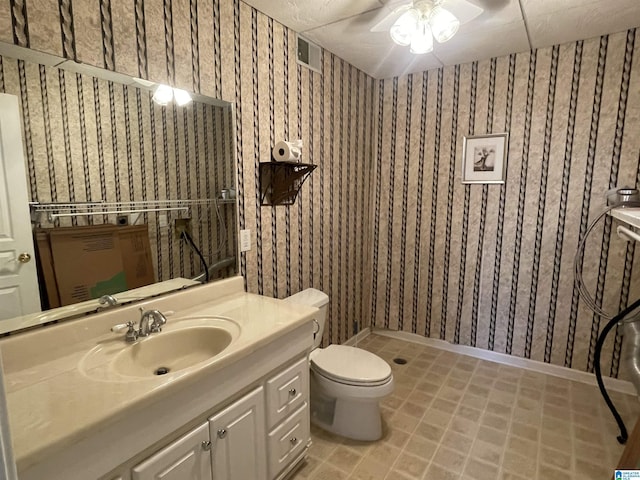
310	297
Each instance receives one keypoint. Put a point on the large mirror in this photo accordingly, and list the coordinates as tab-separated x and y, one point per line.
105	157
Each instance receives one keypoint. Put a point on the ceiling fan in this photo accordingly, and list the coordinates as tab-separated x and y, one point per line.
418	22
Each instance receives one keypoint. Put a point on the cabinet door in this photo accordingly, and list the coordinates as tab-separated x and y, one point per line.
238	439
186	458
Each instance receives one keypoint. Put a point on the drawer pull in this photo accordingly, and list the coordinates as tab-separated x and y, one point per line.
292	392
222	433
206	446
293	440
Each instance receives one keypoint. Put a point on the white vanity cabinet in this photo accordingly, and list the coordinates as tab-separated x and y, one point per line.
238	439
129	425
260	436
186	458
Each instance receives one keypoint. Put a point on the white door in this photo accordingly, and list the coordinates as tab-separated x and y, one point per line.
185	459
19	293
238	440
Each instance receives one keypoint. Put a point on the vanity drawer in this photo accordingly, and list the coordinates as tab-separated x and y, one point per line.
287	391
288	440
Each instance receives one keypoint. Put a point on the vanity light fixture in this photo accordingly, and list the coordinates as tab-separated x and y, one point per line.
421	23
164	94
182	97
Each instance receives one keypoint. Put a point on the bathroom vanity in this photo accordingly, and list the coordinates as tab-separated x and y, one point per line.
83	403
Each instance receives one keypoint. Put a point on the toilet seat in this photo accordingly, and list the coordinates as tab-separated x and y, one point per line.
350	366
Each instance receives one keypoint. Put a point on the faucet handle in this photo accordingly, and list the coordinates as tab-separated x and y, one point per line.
131	334
121	327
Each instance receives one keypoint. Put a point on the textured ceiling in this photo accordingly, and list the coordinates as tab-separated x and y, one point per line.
505	26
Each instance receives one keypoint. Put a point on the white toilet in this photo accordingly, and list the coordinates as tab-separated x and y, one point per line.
347	383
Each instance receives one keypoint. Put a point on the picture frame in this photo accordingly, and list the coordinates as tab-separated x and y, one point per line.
484	158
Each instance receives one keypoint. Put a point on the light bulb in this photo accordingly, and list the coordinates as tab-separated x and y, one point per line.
163	94
422	40
182	97
404	28
443	23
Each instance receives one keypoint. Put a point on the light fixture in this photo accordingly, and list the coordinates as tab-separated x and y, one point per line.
405	26
182	97
164	94
421	23
444	24
422	39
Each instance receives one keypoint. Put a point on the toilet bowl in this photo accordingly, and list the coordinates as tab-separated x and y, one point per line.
347	383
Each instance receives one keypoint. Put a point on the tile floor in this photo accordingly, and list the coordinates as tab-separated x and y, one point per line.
457	417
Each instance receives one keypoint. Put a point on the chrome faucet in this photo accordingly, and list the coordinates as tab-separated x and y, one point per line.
108	300
151	321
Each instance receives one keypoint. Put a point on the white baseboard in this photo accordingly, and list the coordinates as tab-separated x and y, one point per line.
362	334
612	384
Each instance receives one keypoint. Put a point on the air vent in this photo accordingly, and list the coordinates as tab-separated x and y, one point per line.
308	54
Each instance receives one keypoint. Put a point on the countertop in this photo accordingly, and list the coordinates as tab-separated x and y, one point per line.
53	402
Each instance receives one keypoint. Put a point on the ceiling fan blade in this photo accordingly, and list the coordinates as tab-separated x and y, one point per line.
390	18
463	10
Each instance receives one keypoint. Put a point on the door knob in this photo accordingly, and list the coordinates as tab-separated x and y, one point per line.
24	258
222	433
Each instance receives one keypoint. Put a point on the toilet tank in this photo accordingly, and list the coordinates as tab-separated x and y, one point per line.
313	298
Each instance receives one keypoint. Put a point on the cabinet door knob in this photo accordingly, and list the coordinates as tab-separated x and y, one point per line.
24	258
293	440
292	392
222	433
206	446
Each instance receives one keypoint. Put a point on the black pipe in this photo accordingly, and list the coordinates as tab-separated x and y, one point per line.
623	437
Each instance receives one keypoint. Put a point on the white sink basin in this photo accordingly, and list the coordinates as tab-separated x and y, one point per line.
183	343
167	352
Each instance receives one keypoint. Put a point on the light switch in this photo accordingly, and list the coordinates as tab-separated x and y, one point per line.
245	240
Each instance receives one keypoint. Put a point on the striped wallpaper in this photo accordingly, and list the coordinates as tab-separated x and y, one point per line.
384	225
228	50
492	265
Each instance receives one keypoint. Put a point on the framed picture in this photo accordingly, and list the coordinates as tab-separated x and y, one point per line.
484	158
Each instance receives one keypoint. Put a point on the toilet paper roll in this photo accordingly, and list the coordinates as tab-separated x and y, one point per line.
285	151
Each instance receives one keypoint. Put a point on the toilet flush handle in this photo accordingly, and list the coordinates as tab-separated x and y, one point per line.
317	328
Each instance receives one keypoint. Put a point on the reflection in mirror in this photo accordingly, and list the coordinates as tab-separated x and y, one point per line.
101	152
